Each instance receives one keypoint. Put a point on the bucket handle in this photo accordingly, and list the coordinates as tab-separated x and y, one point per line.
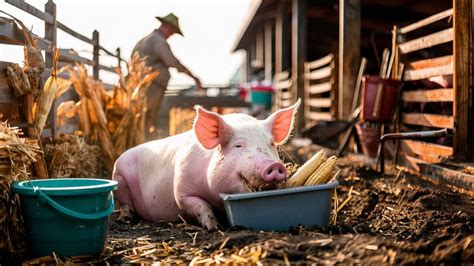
85	216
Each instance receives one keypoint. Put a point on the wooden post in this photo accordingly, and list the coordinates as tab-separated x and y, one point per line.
95	54
268	51
298	55
281	39
50	32
119	60
462	80
349	53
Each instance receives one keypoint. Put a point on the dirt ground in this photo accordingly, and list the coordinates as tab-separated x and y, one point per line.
392	219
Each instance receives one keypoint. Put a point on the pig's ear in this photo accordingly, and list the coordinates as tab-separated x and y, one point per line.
281	123
210	129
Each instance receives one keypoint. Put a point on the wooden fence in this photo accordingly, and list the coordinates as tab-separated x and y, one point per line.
319	87
11	35
284	95
426	104
50	38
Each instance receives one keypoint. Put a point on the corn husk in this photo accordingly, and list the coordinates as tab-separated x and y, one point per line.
34	64
16	156
51	88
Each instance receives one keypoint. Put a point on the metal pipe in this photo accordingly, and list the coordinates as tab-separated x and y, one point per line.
409	135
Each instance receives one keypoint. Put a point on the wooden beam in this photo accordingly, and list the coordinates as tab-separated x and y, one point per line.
50	31
428	120
298	54
268	50
20	4
95	54
444	175
426	21
427	41
436	95
282	38
463	142
349	53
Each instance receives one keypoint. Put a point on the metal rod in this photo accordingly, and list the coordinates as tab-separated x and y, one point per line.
409	135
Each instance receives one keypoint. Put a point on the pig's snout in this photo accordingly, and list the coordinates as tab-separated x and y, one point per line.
274	171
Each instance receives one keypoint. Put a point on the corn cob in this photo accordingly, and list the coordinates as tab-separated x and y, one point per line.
323	173
305	171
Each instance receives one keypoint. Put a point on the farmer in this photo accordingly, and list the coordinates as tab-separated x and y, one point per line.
158	55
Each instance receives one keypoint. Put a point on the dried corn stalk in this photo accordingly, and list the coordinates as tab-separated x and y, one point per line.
126	110
72	156
92	111
52	87
16	156
27	80
181	120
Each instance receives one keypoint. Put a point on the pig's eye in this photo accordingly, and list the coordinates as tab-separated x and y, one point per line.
238	146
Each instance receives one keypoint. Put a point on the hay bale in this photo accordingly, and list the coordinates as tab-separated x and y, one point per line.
16	156
72	156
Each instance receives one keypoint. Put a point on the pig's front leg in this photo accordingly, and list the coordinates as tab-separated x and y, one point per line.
201	210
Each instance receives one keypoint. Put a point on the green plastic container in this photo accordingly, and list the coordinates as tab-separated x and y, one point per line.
261	95
66	216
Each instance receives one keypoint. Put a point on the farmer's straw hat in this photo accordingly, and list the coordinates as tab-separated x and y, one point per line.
172	20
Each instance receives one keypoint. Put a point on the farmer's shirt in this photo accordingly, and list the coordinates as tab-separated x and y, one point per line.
158	55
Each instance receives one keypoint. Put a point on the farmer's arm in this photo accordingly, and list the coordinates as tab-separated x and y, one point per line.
170	60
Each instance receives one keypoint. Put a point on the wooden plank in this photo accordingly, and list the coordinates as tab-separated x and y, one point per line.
286	103
444	175
20	4
66	56
426	149
463	141
319	73
431	62
108	68
298	54
427	41
320	62
286	95
426	21
428	120
95	54
281	76
320	88
319	115
319	102
268	59
349	53
73	33
436	95
418	74
285	84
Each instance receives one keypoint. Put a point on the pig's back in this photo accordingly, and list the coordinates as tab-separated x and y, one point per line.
156	164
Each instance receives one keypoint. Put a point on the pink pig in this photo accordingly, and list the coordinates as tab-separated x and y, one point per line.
184	174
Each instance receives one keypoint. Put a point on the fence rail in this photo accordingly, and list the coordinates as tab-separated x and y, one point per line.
66	55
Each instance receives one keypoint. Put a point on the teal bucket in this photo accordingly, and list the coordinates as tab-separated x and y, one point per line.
66	216
262	96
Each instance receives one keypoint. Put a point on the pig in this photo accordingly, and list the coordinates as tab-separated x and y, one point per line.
182	175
